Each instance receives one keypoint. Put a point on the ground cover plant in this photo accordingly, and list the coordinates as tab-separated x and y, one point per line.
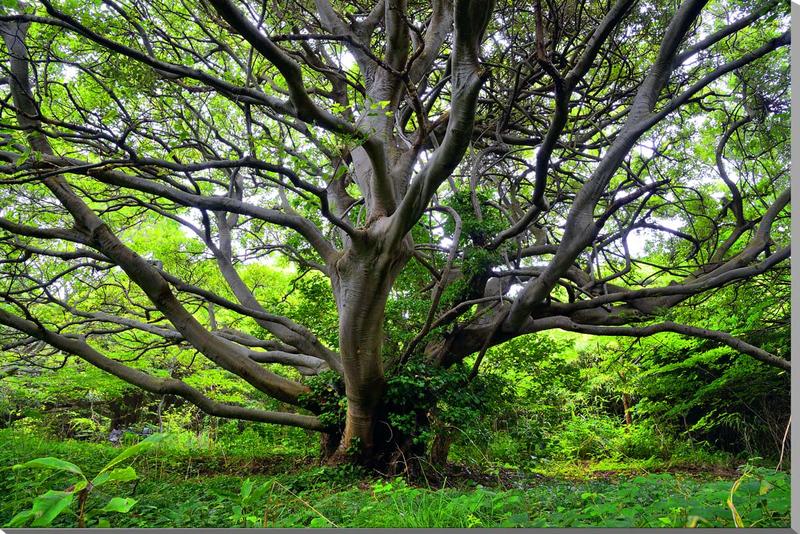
240	492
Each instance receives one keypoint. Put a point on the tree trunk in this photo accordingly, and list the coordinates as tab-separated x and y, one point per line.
626	407
329	444
362	279
440	448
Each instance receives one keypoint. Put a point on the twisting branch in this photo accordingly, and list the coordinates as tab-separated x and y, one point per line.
565	323
103	239
159	386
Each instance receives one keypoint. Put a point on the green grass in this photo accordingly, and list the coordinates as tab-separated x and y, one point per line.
181	487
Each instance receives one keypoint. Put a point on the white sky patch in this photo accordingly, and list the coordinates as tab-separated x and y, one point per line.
69	73
537	261
637	242
347	60
620	194
691	60
496	40
643	150
646	148
673	223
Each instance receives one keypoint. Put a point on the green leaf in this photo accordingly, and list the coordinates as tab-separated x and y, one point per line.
319	522
48	506
134	450
237	513
121	505
247	488
20	519
124	474
51	463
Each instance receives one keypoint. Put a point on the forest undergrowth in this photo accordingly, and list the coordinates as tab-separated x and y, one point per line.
186	482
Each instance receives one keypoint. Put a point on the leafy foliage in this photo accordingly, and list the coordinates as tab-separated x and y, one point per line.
48	506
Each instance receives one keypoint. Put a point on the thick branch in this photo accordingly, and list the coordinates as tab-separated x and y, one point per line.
159	386
470	22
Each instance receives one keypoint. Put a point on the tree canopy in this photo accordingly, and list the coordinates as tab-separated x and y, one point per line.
436	177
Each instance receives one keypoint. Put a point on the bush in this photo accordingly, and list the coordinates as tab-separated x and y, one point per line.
642	441
587	437
599	436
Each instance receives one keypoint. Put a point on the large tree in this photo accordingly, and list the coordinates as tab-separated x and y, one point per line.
577	165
